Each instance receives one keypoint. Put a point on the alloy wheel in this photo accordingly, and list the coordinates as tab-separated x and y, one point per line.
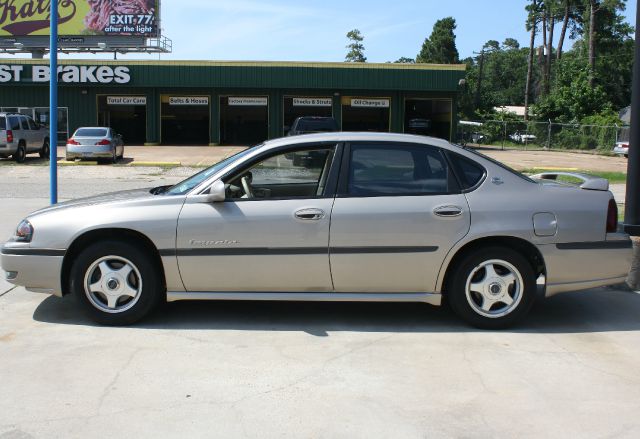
113	284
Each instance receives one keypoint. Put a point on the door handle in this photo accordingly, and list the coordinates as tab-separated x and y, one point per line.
448	211
309	214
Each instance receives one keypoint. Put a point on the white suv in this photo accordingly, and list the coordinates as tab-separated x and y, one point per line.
21	135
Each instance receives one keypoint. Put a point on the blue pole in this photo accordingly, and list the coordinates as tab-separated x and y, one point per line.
53	103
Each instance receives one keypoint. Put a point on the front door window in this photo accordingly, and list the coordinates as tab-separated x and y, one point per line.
290	175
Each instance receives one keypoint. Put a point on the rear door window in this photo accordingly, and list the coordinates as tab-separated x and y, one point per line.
397	169
25	124
32	124
3	123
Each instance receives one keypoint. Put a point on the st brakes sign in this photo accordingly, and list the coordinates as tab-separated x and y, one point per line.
20	18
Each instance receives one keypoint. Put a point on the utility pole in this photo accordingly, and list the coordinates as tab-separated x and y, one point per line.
632	208
527	92
53	103
480	71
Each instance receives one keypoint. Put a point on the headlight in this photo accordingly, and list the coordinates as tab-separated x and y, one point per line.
24	232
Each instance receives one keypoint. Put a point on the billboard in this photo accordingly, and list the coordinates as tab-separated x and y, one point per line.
80	18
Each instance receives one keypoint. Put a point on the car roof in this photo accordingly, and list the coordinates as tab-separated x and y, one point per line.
355	137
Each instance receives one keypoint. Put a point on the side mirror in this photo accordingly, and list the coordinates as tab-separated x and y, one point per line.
216	192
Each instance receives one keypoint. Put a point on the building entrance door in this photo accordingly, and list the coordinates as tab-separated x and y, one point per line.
294	107
127	115
185	120
244	120
365	114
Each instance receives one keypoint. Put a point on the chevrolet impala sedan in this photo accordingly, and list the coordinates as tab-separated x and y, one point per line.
376	217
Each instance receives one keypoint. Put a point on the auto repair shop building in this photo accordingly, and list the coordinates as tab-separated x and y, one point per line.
233	103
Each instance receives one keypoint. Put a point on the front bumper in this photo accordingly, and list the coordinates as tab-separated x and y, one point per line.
89	152
584	265
37	270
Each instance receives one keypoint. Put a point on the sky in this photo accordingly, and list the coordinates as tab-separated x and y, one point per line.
279	30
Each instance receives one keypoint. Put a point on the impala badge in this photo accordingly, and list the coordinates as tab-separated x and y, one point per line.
198	243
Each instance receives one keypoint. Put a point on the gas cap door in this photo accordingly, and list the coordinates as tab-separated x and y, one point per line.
545	224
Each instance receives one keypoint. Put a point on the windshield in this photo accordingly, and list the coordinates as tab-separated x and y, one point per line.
497	163
185	186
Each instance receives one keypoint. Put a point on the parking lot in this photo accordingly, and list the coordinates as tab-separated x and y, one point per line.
237	369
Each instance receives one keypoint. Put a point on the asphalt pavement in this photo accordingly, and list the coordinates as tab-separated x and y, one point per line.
329	370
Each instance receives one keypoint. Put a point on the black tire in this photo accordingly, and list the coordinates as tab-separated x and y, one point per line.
21	153
45	151
127	309
473	266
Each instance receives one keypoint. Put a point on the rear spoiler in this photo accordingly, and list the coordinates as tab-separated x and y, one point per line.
589	182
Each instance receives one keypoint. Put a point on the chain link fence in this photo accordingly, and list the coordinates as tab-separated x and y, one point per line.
541	135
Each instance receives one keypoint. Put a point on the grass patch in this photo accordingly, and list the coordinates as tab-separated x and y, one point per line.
613	177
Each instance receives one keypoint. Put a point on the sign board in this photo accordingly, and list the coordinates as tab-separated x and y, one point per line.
249	102
19	18
189	100
370	103
66	74
126	100
312	102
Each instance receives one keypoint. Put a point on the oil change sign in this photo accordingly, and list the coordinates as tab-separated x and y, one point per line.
66	74
370	103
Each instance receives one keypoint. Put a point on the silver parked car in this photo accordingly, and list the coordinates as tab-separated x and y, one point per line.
21	135
383	217
622	148
95	143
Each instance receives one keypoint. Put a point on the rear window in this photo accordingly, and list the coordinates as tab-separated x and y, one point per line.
3	123
91	132
500	164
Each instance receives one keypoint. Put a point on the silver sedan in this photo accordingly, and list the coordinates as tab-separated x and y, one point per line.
95	143
374	217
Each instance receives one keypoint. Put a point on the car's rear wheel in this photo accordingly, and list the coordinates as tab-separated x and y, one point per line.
492	288
20	154
115	283
45	150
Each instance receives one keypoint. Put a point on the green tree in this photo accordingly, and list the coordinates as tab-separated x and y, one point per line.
440	46
572	98
405	60
355	46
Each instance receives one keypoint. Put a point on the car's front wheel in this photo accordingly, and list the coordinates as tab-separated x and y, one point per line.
492	288
115	283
